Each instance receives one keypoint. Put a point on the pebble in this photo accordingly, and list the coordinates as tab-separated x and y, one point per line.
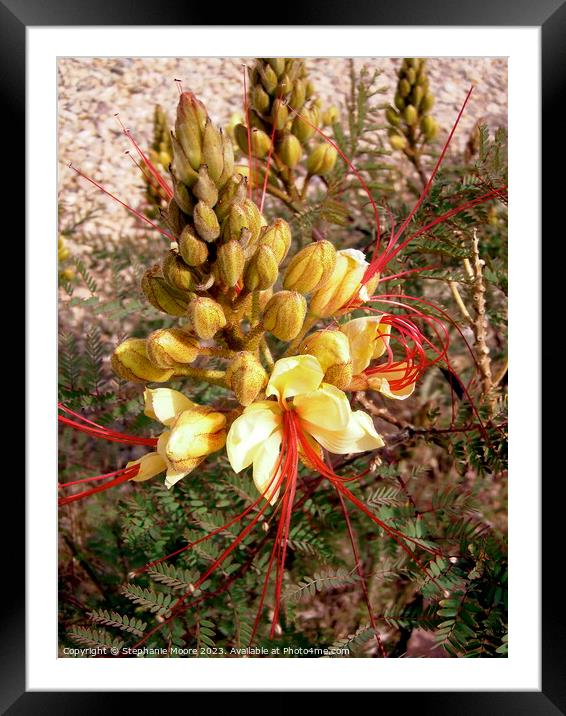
93	90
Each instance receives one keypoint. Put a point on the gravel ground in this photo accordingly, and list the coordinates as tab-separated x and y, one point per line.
93	90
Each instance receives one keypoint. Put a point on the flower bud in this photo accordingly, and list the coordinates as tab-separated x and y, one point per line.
399	102
417	96
322	159
213	151
311	267
255	220
268	79
192	249
227	159
285	84
411	75
246	377
393	116
233	192
262	270
332	350
130	361
260	141
290	151
342	286
189	127
404	87
196	432
429	127
180	165
229	264
284	314
410	115
368	339
206	222
182	196
204	188
171	347
177	273
206	317
427	103
277	64
278	238
298	95
279	115
163	296
301	128
397	141
260	100
330	116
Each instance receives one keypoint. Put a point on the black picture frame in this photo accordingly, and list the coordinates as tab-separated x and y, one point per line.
550	16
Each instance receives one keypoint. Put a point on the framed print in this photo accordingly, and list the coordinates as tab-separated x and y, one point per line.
282	356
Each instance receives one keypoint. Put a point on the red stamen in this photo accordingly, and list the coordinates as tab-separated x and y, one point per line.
125	474
136	213
100	431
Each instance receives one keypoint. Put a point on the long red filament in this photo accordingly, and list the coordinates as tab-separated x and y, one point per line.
125	474
137	214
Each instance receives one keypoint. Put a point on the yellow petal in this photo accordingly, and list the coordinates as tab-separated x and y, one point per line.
294	376
382	381
195	433
150	464
247	433
164	404
327	407
358	436
368	339
265	463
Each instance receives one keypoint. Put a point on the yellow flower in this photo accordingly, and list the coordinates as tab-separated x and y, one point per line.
343	286
368	337
395	380
261	435
194	432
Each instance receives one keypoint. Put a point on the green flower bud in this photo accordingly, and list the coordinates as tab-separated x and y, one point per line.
182	196
285	85
228	160
130	361
175	218
429	127
298	95
177	273
192	249
399	102
404	88
284	314
278	238
330	116
171	348
398	141
246	377
260	99
410	115
262	270
181	166
268	79
301	128
189	127
279	114
233	224
417	96
205	189
411	76
206	222
311	267
255	220
428	102
233	192
277	64
322	159
212	150
161	295
260	141
290	150
229	265
206	317
309	89
393	116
